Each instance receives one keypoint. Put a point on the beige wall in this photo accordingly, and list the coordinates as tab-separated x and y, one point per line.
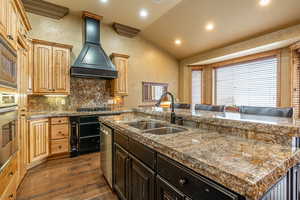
146	63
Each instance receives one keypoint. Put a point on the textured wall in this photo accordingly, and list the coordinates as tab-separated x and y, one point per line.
146	63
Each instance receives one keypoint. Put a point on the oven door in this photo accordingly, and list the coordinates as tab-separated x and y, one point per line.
8	136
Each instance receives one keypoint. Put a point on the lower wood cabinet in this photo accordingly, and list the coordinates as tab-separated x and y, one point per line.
141	181
38	140
8	180
23	146
132	179
59	135
121	159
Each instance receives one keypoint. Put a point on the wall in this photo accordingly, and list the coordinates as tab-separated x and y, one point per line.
146	63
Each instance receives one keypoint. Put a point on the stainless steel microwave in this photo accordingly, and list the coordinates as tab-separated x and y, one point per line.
8	135
8	100
8	65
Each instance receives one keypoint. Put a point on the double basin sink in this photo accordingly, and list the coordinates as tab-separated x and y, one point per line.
155	128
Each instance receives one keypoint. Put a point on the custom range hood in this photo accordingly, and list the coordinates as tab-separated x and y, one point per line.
92	61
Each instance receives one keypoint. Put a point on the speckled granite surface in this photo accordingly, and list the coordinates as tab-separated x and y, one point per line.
69	113
254	123
247	166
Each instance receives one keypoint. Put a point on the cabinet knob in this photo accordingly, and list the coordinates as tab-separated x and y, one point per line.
10	37
207	190
59	147
11	196
11	174
59	132
182	181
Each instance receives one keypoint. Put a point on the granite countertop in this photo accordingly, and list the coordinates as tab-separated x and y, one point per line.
273	125
69	113
256	123
246	166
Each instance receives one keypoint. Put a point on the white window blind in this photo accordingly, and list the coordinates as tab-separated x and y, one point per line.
196	86
251	83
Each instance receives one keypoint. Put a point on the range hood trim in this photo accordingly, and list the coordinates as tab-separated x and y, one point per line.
93	62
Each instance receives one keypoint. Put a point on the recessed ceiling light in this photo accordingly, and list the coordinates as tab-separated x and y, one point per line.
264	2
177	42
210	26
144	13
104	1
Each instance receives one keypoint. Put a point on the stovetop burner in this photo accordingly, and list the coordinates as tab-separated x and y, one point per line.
94	109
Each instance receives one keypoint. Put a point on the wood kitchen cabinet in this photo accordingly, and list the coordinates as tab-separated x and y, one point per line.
38	140
3	16
141	181
132	179
12	23
59	135
51	68
121	159
120	84
23	147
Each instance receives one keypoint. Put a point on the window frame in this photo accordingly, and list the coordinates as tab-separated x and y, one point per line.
145	100
249	59
196	68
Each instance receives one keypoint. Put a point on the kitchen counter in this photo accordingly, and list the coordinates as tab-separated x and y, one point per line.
256	123
247	166
70	113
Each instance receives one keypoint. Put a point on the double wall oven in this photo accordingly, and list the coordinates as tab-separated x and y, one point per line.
8	102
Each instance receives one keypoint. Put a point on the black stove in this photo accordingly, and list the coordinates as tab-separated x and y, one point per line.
93	109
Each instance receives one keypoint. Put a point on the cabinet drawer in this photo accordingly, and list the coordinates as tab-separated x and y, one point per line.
59	131
59	146
7	174
143	153
11	190
121	140
190	183
60	120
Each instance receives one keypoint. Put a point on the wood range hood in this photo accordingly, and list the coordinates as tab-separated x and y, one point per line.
92	61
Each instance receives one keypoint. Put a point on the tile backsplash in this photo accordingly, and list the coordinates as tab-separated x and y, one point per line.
84	93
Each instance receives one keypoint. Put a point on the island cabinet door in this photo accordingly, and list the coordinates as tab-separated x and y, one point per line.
164	191
141	181
121	163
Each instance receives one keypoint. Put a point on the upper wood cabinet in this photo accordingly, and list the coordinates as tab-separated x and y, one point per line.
12	23
120	84
3	16
51	68
38	140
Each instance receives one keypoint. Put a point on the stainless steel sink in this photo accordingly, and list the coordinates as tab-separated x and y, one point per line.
165	130
145	124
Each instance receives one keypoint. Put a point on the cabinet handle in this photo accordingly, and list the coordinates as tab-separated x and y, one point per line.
182	181
207	190
10	37
11	197
11	174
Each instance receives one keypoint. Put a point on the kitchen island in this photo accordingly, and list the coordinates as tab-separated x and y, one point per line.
252	158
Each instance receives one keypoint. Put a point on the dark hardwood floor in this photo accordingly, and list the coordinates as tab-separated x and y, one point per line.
78	178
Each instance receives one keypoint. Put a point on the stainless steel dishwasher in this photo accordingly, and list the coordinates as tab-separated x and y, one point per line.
106	152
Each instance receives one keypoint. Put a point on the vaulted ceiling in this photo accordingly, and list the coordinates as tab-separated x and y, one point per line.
234	20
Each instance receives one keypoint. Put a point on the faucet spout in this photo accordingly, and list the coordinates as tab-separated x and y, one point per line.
173	115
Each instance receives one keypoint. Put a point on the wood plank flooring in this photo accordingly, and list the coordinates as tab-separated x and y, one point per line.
78	178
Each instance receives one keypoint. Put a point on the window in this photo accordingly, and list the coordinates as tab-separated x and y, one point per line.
153	91
196	86
251	83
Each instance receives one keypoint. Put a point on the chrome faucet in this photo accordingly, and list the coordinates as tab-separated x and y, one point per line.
173	115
